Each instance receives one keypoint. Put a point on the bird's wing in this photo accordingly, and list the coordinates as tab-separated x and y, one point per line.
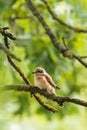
50	81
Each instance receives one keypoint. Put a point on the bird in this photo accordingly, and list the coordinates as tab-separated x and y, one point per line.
44	81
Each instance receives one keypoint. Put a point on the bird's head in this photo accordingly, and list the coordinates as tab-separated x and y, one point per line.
39	71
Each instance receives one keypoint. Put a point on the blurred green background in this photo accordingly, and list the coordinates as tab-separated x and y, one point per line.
18	111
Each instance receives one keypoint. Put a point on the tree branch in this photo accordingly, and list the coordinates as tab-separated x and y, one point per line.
72	55
7	51
14	18
5	33
55	17
58	99
62	49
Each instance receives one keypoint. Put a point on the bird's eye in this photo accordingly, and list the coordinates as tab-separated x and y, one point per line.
39	71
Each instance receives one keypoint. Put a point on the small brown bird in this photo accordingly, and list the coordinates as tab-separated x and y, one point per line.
44	81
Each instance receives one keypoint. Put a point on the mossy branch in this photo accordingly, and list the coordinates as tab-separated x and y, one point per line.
58	99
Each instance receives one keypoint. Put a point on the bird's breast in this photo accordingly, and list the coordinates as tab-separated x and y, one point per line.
40	82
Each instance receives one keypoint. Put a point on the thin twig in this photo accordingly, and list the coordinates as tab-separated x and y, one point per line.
4	32
55	17
83	57
64	42
14	18
7	51
79	58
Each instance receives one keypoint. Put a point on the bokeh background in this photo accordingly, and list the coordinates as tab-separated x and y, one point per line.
18	111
